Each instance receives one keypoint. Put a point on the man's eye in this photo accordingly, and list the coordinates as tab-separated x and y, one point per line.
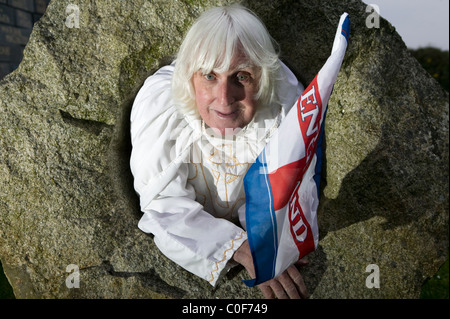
243	77
209	77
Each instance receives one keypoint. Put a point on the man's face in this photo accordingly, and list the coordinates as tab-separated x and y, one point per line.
227	100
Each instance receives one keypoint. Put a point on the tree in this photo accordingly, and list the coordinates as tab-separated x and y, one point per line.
435	62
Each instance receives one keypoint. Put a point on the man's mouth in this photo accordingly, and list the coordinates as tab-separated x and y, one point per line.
227	115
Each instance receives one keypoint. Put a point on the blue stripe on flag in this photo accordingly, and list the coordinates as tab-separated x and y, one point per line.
346	28
260	221
319	154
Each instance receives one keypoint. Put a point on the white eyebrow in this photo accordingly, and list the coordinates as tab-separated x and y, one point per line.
240	67
243	66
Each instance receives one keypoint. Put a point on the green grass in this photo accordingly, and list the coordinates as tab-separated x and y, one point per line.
437	286
6	291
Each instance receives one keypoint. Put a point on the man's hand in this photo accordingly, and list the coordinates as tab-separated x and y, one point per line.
288	285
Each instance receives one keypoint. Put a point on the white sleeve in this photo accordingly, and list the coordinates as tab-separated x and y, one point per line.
189	236
158	148
184	232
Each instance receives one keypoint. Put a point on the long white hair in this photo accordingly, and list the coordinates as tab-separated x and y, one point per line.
211	43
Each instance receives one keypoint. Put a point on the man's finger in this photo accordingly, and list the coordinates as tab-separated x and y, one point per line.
302	262
267	291
289	285
278	289
298	280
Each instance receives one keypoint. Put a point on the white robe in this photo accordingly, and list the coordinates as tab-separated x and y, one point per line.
190	182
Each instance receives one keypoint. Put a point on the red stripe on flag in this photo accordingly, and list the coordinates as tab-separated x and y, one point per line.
301	231
309	108
283	181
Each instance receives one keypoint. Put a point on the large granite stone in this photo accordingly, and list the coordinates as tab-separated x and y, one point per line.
66	193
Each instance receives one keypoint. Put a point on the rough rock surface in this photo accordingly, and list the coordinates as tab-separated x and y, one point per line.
66	194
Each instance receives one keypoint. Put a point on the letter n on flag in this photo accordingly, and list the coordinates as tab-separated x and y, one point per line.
282	186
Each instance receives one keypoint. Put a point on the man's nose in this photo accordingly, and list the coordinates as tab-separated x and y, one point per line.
226	93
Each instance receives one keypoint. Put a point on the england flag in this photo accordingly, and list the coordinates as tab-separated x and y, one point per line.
282	186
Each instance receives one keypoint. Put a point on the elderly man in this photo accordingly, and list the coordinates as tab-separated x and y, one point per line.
197	125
